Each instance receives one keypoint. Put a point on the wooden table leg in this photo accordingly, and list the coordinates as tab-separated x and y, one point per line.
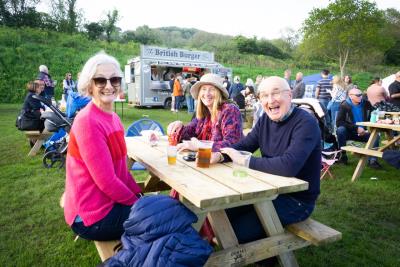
222	228
272	226
363	159
130	163
36	147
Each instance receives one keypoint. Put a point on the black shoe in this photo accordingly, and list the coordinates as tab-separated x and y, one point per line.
374	165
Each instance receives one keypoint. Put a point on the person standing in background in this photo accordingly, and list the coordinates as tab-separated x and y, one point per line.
287	76
188	96
394	90
338	96
259	79
348	83
177	92
227	83
49	84
171	86
375	92
68	85
299	86
323	92
236	88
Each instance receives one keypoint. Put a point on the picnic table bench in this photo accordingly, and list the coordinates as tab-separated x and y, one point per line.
368	150
38	139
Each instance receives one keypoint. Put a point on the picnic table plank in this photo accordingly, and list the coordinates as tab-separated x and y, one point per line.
202	191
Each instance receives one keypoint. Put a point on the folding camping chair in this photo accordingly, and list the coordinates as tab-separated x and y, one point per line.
328	158
134	130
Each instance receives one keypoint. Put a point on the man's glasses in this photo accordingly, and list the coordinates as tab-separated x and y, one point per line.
274	95
102	82
357	95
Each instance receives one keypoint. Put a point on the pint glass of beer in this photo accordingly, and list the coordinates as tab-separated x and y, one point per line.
171	155
204	154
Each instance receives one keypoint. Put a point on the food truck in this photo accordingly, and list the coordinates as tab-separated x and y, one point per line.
147	76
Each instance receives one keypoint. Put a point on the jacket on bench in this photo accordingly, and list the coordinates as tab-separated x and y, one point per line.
158	232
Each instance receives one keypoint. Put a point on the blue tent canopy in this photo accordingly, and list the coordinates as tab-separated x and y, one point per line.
311	82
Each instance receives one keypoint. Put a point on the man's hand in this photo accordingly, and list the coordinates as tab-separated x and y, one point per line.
215	157
361	131
236	156
174	127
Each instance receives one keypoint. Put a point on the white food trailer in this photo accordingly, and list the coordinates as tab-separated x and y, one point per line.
147	76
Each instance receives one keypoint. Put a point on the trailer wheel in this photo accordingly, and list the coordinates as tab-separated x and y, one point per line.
167	103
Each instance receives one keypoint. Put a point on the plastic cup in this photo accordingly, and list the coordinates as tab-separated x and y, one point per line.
171	154
238	170
204	154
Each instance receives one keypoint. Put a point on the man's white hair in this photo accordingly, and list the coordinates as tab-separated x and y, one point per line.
43	68
90	69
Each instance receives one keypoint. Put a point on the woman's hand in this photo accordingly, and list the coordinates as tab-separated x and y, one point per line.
191	145
174	127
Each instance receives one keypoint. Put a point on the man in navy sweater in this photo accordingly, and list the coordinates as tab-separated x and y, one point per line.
290	143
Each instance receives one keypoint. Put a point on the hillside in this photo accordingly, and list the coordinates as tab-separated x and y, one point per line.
24	49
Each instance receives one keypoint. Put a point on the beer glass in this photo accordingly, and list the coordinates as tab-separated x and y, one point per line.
204	154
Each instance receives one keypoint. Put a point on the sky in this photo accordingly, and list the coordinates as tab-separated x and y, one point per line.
261	18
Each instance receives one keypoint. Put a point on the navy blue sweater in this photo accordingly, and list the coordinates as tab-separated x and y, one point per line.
290	148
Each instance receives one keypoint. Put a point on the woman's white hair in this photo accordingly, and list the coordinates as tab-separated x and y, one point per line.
43	68
90	68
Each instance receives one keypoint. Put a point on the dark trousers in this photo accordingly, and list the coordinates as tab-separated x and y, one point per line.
247	226
108	228
178	100
343	135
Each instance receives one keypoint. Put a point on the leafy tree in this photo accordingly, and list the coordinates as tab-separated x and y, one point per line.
128	36
94	30
246	45
146	35
343	30
65	15
392	56
109	24
18	13
257	47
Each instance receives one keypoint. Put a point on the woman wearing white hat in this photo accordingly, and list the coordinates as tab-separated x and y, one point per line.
216	119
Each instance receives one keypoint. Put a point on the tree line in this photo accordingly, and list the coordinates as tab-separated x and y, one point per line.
345	32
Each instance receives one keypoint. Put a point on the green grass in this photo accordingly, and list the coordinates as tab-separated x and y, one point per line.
33	231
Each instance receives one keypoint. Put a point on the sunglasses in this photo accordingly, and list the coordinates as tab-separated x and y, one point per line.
102	82
357	95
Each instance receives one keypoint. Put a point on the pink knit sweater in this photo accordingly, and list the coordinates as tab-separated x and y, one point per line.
96	172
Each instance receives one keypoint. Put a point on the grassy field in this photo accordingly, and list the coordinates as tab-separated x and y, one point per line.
33	231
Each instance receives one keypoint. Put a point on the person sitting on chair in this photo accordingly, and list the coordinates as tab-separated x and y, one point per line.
99	190
290	143
354	109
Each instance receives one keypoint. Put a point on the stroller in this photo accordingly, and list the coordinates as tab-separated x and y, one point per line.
313	106
54	122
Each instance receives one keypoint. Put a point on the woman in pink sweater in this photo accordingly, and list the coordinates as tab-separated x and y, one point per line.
99	190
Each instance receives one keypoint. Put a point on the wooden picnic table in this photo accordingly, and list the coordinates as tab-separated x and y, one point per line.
368	150
209	191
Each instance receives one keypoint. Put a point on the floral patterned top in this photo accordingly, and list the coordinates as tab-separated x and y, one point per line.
225	131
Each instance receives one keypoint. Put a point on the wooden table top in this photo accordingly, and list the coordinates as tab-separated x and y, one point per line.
209	187
394	127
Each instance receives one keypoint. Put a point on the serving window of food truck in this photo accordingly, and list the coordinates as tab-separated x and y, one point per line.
148	75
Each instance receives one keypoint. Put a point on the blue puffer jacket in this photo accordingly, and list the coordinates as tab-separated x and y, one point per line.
158	232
